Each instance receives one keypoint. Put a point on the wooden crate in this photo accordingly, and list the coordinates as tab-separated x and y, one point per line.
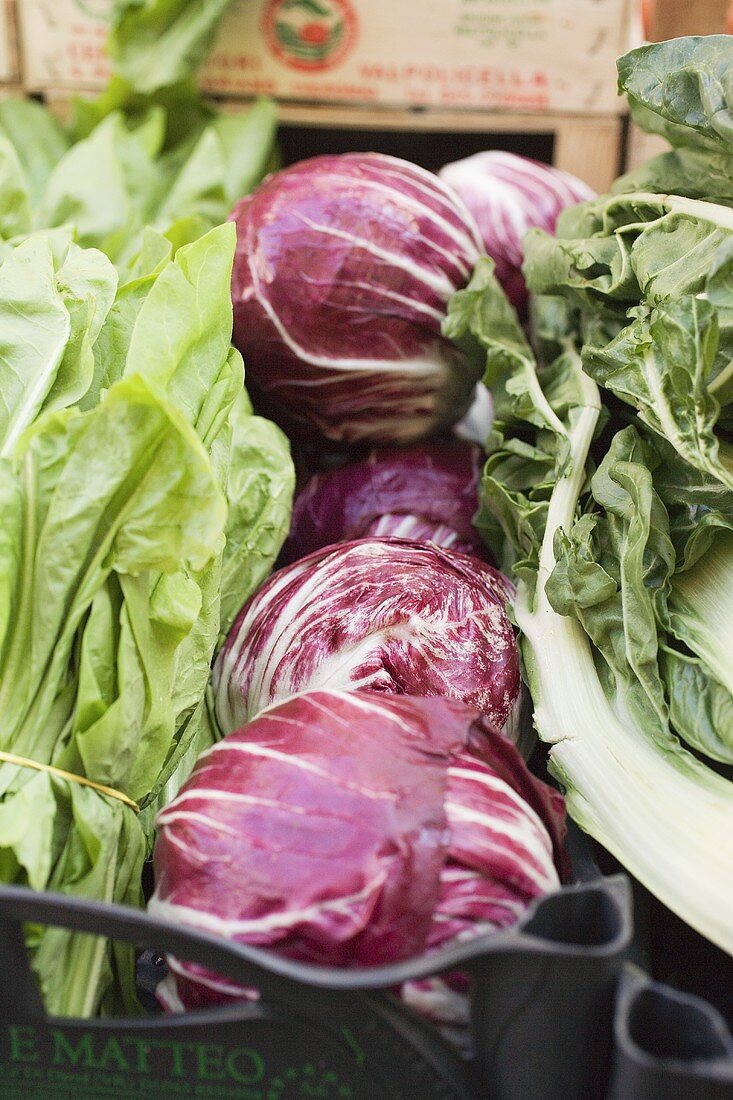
677	18
641	147
9	64
521	55
589	146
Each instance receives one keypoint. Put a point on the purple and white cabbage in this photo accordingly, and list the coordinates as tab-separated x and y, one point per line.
508	195
427	492
386	614
343	271
443	834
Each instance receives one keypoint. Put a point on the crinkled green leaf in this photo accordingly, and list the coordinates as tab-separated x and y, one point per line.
682	89
11	547
26	829
34	330
182	332
106	186
700	708
113	342
37	138
87	282
259	492
15	207
127	486
101	859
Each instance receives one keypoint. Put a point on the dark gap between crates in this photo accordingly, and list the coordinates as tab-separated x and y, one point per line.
431	149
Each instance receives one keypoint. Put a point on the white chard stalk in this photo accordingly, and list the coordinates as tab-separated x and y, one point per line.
664	815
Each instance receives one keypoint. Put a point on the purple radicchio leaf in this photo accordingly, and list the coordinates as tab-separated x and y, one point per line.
386	614
354	829
343	271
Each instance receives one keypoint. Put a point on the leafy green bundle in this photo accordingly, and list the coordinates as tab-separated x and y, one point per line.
142	501
130	172
149	151
609	487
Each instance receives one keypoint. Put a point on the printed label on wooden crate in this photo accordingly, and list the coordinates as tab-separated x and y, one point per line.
524	55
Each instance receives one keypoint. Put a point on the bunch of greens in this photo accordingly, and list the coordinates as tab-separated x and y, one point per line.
127	174
609	487
142	500
149	151
142	503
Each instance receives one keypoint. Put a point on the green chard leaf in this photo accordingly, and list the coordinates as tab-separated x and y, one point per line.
613	574
623	551
700	707
689	172
682	89
698	503
483	314
661	364
701	607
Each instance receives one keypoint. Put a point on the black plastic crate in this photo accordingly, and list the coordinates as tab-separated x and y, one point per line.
557	1013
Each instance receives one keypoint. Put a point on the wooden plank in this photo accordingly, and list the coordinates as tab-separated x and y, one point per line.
9	63
641	147
675	18
342	117
590	148
516	55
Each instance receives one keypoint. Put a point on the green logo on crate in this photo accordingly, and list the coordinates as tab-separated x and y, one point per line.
310	35
86	1064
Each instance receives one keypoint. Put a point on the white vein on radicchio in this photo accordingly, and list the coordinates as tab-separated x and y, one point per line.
343	271
352	828
507	195
427	492
386	614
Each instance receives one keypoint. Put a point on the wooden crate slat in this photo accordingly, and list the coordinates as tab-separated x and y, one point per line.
9	60
526	55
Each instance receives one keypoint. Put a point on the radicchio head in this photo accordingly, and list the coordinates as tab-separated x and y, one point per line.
387	614
343	270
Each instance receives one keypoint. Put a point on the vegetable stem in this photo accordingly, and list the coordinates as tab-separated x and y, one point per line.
613	771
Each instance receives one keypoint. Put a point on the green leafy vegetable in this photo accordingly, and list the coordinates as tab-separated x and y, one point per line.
133	477
158	43
609	489
106	188
681	89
